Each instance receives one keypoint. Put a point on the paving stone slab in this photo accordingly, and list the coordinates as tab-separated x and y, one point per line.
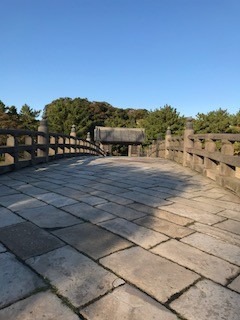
142	236
17	281
8	218
235	284
89	213
145	199
170	229
76	277
192	213
41	306
229	225
219	203
49	217
6	191
30	190
214	246
2	248
56	200
92	240
46	185
27	240
207	265
20	201
127	303
196	204
112	197
217	233
157	276
207	300
121	211
162	214
230	214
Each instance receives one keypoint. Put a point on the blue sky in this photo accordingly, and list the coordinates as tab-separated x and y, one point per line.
129	53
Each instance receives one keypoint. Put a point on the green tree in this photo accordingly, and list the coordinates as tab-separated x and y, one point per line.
28	117
157	122
218	121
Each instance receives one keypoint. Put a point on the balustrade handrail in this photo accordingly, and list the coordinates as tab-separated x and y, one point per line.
20	148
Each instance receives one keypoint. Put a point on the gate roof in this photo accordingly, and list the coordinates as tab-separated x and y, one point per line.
119	135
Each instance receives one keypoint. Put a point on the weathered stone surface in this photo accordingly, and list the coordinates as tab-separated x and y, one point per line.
75	276
217	233
213	246
121	211
155	275
87	212
230	214
41	306
145	199
4	190
192	213
92	240
112	197
49	217
142	236
235	284
55	200
92	200
2	248
127	303
30	190
26	240
229	225
211	208
219	203
211	267
17	281
170	229
17	202
162	214
7	218
207	300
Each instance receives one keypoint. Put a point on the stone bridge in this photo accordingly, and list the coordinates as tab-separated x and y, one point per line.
117	238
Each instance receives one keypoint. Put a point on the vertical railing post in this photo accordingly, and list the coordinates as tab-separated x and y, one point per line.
13	157
167	142
73	140
187	143
43	139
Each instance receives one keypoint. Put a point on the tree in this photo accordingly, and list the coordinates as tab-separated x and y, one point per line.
218	121
157	122
28	117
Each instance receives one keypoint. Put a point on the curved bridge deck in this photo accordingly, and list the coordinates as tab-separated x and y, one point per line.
117	238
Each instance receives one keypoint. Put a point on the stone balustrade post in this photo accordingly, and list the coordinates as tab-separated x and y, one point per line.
88	137
168	137
187	143
228	150
43	140
11	158
72	140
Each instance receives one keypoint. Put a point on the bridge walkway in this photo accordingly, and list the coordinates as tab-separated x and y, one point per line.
117	238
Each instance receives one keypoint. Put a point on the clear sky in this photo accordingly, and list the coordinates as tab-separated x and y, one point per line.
129	53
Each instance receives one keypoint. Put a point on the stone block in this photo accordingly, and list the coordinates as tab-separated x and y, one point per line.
87	212
41	306
49	217
17	202
26	240
158	277
8	218
75	277
229	225
214	246
230	214
207	265
207	300
55	200
127	303
141	236
235	284
168	228
121	211
92	240
145	199
17	280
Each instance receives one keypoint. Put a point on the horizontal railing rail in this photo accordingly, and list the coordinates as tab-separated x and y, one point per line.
215	155
21	148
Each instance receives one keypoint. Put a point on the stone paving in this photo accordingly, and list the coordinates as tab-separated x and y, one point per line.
117	238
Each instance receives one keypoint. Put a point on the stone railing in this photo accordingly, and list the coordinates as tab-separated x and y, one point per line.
21	148
214	155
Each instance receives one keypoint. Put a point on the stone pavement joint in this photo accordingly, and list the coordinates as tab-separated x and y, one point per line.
117	238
